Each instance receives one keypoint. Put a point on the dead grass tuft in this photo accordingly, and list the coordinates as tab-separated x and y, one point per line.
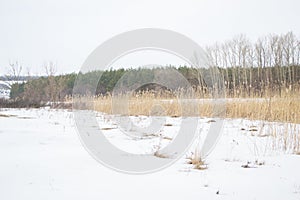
167	138
160	155
107	128
196	160
252	129
198	163
210	121
5	115
254	164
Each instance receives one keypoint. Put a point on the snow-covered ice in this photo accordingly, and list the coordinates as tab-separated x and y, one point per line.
42	158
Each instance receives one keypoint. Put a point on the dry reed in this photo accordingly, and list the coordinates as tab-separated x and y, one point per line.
279	109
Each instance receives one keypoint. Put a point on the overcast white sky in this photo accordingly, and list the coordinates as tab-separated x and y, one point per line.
67	31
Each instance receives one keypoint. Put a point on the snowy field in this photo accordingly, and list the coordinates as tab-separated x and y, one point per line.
42	158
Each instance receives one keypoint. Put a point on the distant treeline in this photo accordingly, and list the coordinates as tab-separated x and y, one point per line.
270	66
238	82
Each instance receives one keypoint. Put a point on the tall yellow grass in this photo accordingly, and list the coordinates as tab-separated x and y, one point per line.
281	109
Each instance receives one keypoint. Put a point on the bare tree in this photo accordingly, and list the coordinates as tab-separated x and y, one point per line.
52	87
50	68
14	71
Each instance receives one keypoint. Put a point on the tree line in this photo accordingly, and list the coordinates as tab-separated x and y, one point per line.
269	63
269	66
57	88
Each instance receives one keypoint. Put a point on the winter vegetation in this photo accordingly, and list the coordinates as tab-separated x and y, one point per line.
260	140
268	67
261	81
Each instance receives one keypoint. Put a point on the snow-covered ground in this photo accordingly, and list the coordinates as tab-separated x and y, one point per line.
42	158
